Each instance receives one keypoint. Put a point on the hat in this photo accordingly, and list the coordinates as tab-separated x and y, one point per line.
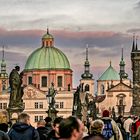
48	119
105	113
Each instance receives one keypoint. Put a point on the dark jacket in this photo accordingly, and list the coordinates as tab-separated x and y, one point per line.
43	133
51	136
22	131
4	136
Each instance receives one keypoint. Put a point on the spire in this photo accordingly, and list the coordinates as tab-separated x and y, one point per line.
87	52
133	45
3	53
122	73
136	48
87	74
110	63
47	30
122	55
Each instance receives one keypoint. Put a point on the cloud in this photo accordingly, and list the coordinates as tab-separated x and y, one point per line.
134	30
137	7
103	47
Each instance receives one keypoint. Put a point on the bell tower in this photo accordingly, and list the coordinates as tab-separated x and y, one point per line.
135	59
87	81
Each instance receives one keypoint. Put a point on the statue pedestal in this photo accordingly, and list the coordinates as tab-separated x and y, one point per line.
52	113
13	113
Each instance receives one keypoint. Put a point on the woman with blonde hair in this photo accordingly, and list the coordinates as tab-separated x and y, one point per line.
96	127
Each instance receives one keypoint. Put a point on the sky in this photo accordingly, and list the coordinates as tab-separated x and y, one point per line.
106	26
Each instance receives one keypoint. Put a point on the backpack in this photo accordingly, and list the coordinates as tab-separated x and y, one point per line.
108	131
133	128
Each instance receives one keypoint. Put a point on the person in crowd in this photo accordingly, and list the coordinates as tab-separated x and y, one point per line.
96	127
4	136
22	130
54	134
48	125
119	122
4	127
110	130
94	137
42	130
71	128
127	123
133	128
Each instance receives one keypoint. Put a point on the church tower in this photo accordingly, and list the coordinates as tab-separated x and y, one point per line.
135	58
122	73
3	74
87	81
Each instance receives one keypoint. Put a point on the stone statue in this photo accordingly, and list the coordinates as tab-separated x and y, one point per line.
93	110
52	93
76	102
16	93
81	101
84	105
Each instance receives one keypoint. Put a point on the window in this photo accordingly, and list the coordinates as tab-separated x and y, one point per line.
38	118
87	87
102	89
0	105
44	81
56	105
59	81
30	80
4	105
61	104
38	105
41	105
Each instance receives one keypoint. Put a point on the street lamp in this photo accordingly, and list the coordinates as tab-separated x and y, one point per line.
75	110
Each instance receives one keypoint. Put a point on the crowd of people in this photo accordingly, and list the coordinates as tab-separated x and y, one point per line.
72	128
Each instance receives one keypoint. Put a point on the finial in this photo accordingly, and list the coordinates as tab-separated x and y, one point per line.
87	52
47	30
110	62
122	54
3	53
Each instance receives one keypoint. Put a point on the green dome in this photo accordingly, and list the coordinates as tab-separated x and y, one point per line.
46	58
110	74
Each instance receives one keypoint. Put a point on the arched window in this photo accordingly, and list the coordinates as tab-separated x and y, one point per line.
87	87
102	89
44	81
59	81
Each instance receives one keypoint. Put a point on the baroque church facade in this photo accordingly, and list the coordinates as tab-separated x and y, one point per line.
46	65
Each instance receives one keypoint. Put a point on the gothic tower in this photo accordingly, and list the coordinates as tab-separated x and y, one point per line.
87	81
135	58
3	74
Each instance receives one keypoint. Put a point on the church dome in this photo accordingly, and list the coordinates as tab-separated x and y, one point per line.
47	57
110	74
